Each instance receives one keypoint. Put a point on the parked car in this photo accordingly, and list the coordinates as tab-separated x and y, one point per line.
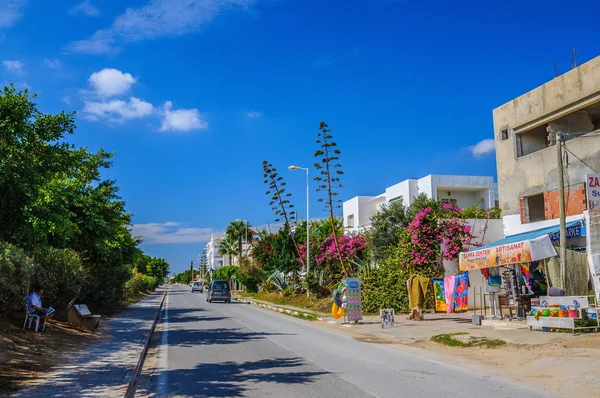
198	285
218	291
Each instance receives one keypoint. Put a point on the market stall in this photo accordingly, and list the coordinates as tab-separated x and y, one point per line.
521	272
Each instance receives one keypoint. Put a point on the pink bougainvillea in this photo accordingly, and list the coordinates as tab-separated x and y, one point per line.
435	235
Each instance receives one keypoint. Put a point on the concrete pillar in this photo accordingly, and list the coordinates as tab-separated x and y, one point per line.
592	221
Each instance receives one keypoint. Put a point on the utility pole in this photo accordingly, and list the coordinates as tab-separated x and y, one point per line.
561	205
191	271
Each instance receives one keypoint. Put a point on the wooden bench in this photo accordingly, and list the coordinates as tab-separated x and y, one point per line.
81	318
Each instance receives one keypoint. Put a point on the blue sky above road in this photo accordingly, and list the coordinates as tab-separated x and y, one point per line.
193	95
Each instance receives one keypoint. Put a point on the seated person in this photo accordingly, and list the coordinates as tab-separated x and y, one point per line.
34	305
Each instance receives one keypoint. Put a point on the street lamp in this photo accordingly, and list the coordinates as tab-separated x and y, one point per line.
295	168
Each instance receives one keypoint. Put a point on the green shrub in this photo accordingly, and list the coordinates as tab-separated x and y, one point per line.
61	274
15	271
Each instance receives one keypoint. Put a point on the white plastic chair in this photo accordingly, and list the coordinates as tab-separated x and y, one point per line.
29	317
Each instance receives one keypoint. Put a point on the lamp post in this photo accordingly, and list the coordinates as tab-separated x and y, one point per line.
293	168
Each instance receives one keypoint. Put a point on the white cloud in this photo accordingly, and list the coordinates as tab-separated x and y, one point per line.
181	119
117	110
52	63
66	100
483	147
253	114
86	8
158	18
13	66
171	232
110	82
10	12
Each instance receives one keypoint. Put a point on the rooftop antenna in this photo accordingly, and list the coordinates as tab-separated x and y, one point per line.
555	69
574	57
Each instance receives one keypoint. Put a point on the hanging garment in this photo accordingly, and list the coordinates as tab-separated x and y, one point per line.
526	276
495	278
449	292
461	292
486	273
440	298
417	289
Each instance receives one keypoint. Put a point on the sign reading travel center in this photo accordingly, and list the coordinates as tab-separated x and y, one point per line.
593	191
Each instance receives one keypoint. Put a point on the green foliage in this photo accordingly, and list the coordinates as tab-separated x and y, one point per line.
157	268
61	273
284	255
229	248
476	211
224	273
450	341
15	271
386	226
185	277
138	283
280	200
328	179
237	231
385	286
263	251
249	274
54	204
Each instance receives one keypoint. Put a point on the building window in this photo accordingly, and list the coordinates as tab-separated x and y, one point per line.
453	202
350	221
531	141
534	208
504	134
497	204
397	198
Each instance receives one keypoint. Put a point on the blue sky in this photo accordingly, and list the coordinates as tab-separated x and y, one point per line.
193	95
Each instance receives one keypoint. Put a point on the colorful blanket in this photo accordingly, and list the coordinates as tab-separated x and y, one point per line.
461	292
440	298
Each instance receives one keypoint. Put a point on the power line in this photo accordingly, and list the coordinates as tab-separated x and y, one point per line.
578	158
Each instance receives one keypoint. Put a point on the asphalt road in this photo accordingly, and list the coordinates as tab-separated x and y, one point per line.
238	350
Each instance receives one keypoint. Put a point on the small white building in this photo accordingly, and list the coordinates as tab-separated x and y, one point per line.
215	259
460	191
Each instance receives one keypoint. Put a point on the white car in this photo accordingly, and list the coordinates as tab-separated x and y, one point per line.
197	286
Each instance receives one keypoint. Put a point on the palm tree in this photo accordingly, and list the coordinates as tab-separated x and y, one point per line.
238	231
228	247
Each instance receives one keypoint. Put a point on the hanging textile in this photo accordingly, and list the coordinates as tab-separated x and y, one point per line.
461	292
449	292
417	289
526	276
486	273
494	279
440	298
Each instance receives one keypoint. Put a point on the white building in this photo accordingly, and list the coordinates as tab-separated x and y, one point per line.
460	191
215	259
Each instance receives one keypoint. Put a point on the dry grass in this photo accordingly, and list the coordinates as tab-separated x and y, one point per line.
25	354
300	301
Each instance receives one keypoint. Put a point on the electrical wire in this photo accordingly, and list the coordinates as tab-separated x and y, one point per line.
578	158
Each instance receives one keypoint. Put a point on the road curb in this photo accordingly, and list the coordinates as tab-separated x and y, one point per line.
295	313
131	386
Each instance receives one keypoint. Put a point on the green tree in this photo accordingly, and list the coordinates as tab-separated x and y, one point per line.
238	231
386	226
229	248
158	268
280	200
330	170
224	273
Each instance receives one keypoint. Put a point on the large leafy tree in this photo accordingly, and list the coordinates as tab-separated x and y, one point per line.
387	224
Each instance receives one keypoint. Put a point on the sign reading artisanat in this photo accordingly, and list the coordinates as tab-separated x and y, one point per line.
511	253
593	191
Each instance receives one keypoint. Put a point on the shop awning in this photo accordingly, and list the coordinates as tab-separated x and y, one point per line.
520	248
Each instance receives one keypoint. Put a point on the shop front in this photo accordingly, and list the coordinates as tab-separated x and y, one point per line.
522	272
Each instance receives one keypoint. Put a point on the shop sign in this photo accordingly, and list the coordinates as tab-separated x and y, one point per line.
510	253
353	302
572	232
592	188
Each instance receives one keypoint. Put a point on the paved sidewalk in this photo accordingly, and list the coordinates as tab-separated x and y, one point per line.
100	370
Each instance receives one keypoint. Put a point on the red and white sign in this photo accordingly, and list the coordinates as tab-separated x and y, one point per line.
592	187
